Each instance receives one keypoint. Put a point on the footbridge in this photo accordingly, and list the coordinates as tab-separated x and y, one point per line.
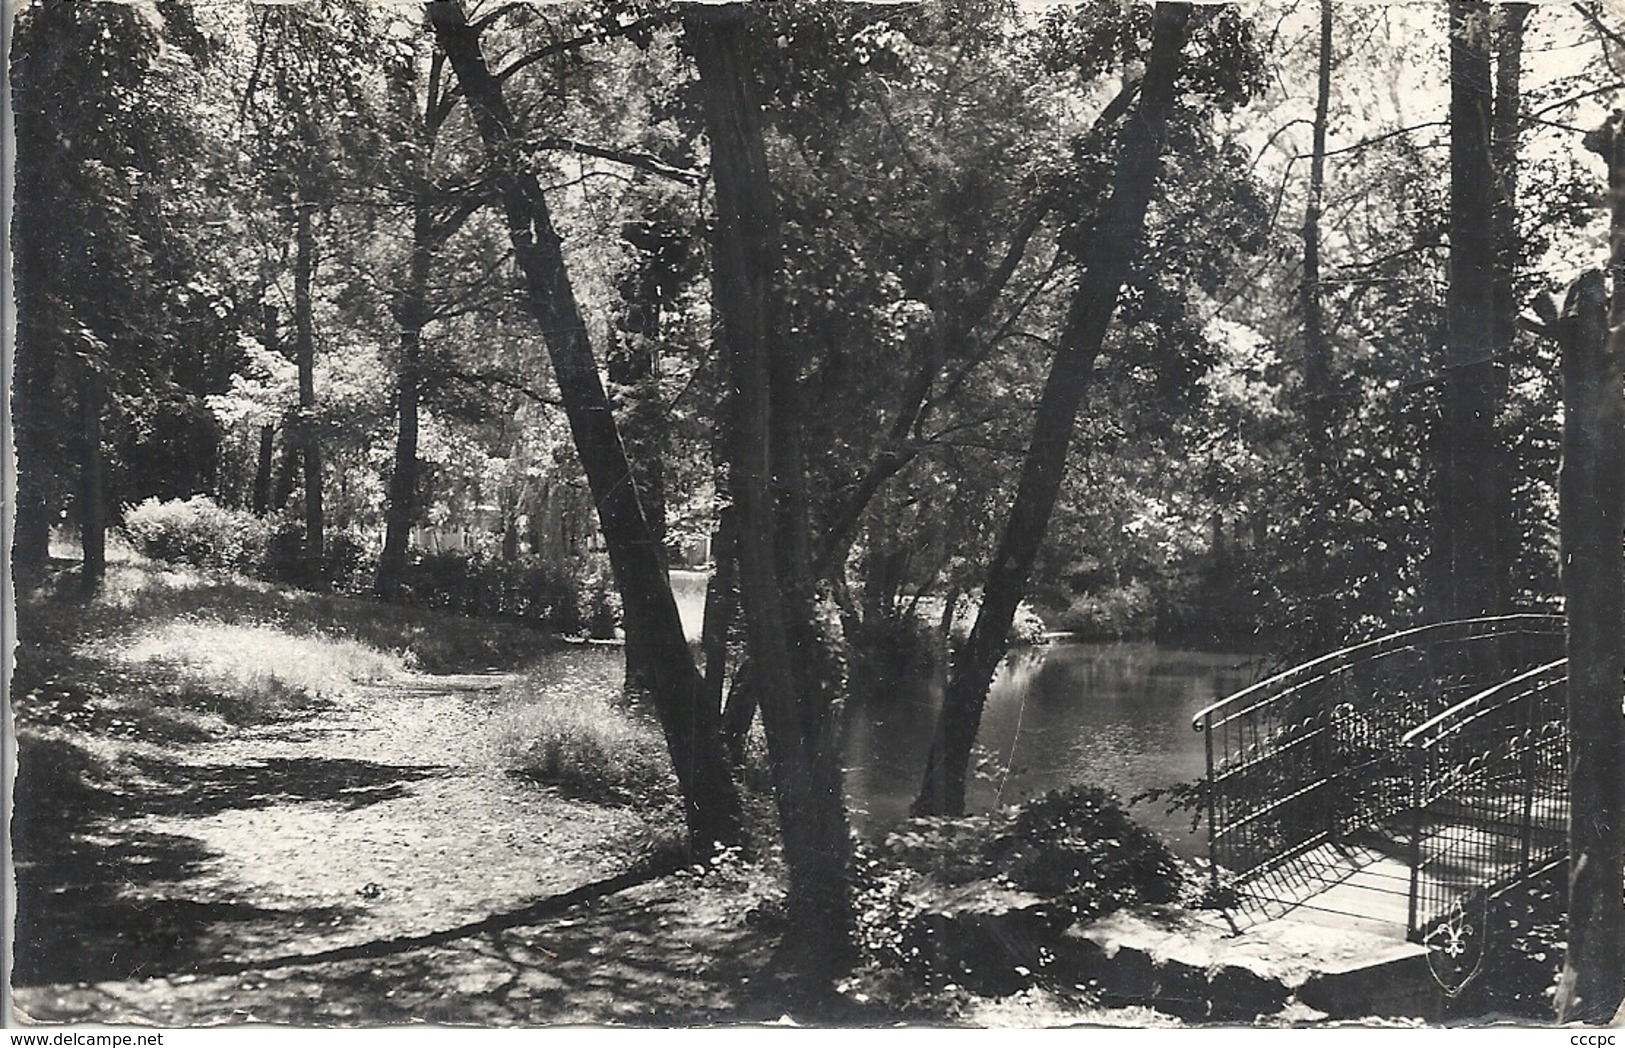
1402	784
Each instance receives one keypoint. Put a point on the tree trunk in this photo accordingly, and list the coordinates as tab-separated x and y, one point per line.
721	601
788	672
92	501
1105	265
1592	507
42	438
282	489
711	801
411	314
1504	142
1473	474
1316	351
636	396
261	499
31	401
305	355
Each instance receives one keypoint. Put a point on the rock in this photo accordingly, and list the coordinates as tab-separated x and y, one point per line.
1191	964
985	936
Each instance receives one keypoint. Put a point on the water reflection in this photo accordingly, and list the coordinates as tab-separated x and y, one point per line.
1114	715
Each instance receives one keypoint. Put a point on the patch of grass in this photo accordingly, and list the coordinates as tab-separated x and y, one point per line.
136	592
577	739
170	653
260	670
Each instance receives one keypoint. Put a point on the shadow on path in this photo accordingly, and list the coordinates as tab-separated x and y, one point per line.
198	790
99	899
529	914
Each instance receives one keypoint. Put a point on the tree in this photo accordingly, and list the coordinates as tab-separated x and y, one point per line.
790	665
118	329
1316	350
711	802
435	213
1103	264
1593	513
1472	472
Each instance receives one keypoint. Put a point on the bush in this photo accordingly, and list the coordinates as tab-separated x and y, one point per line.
575	596
1123	611
349	562
199	532
1075	846
1079	844
577	740
1026	625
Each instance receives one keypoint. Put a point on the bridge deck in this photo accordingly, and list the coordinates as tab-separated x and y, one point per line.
1360	887
1364	882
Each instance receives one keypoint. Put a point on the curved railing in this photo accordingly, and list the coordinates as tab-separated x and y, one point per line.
1489	794
1316	752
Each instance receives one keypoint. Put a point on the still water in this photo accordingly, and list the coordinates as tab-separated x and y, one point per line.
1110	715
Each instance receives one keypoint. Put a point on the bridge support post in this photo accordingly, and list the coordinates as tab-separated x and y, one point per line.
1592	508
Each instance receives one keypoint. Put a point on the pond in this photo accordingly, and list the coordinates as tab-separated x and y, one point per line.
1116	715
1111	715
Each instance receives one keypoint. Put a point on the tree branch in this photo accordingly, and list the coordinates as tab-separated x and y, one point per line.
496	378
641	161
1374	139
647	22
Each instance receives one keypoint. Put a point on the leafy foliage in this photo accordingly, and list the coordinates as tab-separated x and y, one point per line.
1077	847
1080	845
199	532
574	596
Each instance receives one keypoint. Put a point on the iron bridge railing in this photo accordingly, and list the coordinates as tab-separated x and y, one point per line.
1490	796
1318	752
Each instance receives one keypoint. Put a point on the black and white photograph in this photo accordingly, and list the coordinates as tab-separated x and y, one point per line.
670	514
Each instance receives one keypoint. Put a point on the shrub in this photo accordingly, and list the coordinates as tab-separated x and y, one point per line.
1079	844
349	561
577	740
199	532
598	599
1129	610
575	596
1026	625
1076	847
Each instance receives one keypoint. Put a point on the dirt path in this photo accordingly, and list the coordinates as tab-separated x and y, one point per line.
361	864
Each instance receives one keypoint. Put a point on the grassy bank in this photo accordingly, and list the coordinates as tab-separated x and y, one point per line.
159	638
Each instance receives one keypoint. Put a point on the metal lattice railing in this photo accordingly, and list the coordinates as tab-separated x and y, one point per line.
1317	752
1490	794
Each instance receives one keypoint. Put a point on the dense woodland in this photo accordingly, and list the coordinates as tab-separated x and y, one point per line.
923	327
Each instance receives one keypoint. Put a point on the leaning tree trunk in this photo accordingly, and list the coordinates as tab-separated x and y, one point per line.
711	801
789	675
1105	265
1591	491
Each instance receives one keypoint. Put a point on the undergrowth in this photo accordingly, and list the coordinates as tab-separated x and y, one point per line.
572	734
259	669
170	653
1075	848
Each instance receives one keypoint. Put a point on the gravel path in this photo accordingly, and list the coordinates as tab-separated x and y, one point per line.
290	872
